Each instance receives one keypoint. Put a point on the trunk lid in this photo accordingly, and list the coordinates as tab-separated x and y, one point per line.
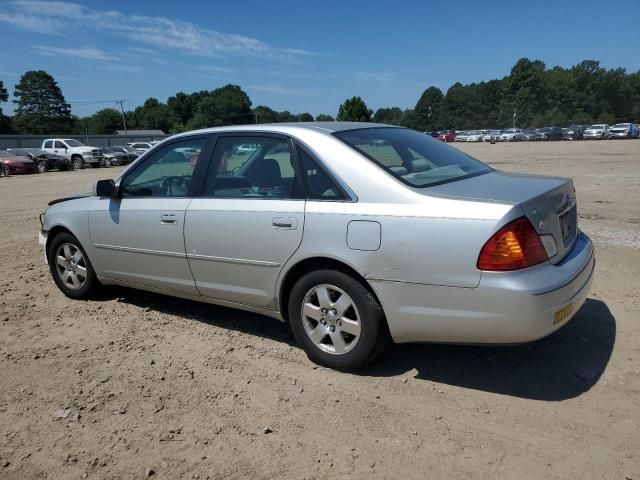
548	202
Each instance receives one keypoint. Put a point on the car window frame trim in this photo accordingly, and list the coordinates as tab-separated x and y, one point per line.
196	178
212	163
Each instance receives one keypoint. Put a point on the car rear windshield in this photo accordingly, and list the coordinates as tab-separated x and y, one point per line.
413	157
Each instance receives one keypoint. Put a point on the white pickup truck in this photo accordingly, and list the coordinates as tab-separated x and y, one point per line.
79	154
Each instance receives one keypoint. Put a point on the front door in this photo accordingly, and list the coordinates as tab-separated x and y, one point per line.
248	222
139	237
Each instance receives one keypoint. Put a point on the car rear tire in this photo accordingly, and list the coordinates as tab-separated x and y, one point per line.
70	267
337	320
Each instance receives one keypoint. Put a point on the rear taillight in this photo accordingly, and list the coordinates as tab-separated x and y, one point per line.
514	246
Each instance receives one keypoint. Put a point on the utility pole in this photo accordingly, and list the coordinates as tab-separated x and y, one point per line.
124	120
515	112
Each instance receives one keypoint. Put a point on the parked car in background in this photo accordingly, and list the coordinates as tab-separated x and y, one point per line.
130	152
462	135
447	135
597	132
551	133
495	135
44	161
475	136
527	134
510	134
623	130
141	147
573	132
79	154
113	157
14	164
425	243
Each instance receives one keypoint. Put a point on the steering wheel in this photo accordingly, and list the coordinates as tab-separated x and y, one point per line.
167	184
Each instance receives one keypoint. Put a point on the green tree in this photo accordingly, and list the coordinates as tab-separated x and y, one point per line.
354	110
41	105
152	115
105	122
5	122
265	114
324	118
428	108
305	117
391	116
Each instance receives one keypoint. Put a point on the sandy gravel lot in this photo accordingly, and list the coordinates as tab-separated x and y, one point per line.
134	384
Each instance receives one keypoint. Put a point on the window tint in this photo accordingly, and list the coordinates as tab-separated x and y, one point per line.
413	157
60	145
48	144
166	173
252	167
319	184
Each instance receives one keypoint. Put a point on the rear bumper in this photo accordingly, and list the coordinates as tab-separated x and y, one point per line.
506	307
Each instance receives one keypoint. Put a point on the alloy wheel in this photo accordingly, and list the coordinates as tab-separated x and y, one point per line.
71	266
331	319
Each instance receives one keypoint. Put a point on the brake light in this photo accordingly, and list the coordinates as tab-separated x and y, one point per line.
514	246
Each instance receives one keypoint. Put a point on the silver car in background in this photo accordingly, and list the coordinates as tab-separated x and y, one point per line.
354	233
596	132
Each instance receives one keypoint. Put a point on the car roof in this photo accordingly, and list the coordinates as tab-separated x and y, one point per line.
326	127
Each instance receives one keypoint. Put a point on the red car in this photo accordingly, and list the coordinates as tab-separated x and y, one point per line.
17	164
447	135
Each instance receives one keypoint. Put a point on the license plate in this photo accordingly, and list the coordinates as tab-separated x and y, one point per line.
565	225
563	313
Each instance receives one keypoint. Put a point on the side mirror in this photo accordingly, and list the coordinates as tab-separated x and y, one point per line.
105	188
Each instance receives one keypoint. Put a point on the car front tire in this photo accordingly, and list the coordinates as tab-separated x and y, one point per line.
337	320
70	267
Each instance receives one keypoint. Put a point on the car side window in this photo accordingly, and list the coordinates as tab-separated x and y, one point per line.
319	184
252	167
48	144
59	145
166	173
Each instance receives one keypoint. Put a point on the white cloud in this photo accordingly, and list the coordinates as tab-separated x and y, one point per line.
83	53
157	32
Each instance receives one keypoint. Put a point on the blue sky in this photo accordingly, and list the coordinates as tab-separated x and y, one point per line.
299	55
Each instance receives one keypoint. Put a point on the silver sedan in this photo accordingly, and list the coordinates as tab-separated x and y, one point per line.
354	233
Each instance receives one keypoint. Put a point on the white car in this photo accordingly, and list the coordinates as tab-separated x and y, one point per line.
496	134
475	136
141	147
624	130
462	136
79	153
597	132
511	134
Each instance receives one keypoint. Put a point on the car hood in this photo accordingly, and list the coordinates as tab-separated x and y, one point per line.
14	160
73	197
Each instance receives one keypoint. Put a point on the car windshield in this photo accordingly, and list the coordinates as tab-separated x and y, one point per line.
621	125
74	143
414	158
596	127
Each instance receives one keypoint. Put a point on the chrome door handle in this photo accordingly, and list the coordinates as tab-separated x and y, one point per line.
168	220
285	222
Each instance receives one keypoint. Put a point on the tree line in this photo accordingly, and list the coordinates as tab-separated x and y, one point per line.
530	96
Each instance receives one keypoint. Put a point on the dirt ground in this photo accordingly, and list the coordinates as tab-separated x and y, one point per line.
134	384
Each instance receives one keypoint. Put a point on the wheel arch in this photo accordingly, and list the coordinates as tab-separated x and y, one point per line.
304	266
52	233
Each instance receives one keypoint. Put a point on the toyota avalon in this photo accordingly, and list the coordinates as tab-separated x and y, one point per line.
353	233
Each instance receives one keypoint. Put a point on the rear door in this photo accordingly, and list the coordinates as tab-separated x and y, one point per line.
139	237
249	220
